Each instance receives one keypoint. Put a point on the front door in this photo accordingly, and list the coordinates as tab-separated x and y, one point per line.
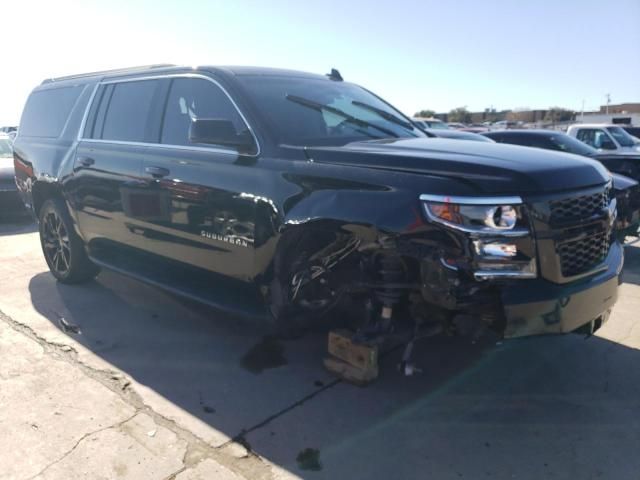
205	215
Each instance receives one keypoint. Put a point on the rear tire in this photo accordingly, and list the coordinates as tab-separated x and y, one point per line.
62	247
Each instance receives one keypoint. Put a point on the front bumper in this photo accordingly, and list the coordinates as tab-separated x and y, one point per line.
537	307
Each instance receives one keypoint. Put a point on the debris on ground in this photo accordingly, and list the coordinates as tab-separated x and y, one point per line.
355	362
68	327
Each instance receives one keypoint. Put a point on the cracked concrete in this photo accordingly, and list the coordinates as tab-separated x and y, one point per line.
133	453
67	413
149	387
46	406
156	447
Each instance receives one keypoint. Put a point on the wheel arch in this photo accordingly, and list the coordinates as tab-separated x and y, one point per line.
43	191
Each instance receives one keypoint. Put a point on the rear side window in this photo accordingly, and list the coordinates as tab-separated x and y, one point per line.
191	98
47	111
535	141
124	111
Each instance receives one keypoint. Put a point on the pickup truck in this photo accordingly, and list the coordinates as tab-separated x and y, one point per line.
605	137
293	198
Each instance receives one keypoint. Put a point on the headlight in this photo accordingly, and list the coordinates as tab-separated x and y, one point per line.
500	242
502	217
480	215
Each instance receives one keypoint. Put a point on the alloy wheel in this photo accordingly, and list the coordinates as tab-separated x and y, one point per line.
56	243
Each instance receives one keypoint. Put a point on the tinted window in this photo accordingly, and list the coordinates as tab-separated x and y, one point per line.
100	106
515	139
540	141
191	98
46	111
635	131
128	111
569	144
622	137
496	137
318	111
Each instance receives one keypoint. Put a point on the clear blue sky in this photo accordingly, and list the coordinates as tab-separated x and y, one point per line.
417	54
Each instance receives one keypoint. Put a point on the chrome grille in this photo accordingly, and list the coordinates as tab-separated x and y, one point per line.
579	256
582	207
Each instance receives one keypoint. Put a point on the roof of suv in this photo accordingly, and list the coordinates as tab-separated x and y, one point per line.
166	68
593	125
513	131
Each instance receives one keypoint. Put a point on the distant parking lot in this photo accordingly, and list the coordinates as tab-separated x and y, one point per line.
216	397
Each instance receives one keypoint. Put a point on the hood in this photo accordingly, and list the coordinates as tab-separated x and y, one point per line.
490	168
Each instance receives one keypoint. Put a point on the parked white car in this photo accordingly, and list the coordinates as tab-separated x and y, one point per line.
504	125
604	136
429	122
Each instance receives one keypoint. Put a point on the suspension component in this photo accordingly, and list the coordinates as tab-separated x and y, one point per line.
391	271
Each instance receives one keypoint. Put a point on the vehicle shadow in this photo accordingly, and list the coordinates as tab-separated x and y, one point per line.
556	406
17	227
631	271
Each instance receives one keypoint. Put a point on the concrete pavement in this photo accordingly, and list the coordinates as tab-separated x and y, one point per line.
124	381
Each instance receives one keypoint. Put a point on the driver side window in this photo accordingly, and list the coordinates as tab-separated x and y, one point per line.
192	98
596	138
602	140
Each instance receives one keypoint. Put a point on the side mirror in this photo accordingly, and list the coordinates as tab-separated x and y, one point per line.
216	131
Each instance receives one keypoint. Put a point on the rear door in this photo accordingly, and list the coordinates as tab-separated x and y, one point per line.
109	159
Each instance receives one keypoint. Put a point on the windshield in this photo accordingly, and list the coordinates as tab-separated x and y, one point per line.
315	111
571	145
5	148
433	124
622	137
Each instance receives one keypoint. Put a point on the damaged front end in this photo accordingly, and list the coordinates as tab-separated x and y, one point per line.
470	265
547	265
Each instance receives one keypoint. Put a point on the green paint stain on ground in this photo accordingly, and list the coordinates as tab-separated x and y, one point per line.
309	459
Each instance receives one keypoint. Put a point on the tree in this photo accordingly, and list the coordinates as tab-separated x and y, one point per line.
460	114
558	114
425	114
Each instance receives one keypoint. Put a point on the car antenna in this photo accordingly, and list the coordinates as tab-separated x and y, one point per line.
335	75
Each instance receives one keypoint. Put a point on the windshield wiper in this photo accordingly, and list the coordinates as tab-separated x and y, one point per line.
349	118
383	114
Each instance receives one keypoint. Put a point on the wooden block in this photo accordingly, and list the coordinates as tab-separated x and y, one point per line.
350	373
362	356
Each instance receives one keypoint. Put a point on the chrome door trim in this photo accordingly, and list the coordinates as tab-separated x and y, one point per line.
227	151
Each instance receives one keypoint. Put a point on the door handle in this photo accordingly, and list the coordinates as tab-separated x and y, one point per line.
157	172
86	161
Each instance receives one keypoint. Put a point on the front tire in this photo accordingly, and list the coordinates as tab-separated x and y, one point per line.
62	247
295	311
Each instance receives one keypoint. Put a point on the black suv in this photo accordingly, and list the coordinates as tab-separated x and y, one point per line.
285	195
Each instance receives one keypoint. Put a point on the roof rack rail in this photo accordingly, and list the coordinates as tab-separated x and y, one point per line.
141	68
